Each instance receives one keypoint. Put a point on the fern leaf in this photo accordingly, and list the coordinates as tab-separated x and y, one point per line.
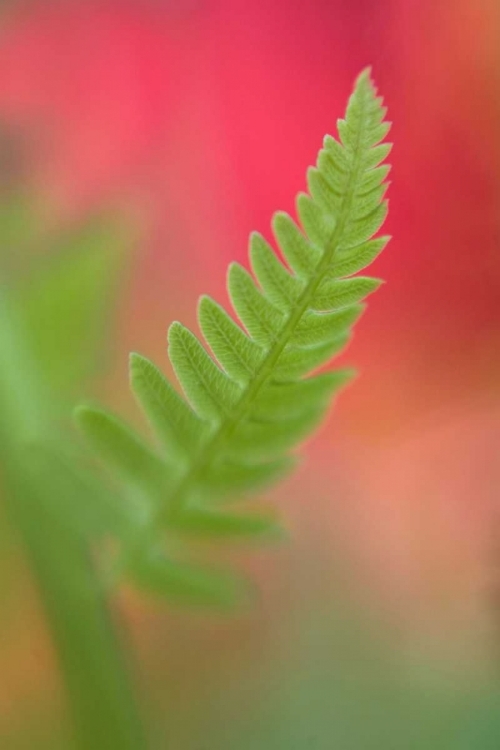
280	400
262	320
260	440
176	424
338	293
319	328
296	361
185	583
236	352
208	388
232	477
216	525
361	229
122	448
253	398
349	262
281	287
319	225
302	256
372	179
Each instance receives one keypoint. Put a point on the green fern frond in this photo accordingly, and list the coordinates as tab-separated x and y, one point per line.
249	396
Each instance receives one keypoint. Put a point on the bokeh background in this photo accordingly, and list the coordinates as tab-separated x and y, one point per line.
186	124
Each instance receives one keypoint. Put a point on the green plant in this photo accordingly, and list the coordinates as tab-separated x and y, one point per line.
244	408
58	507
253	399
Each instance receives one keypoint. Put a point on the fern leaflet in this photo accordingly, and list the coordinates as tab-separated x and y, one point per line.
249	396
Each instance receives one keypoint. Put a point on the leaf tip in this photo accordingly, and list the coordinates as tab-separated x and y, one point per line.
84	416
174	331
365	80
135	361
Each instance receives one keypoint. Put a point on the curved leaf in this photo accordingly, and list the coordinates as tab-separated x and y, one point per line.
254	398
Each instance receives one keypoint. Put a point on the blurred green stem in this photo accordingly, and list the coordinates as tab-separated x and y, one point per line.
96	675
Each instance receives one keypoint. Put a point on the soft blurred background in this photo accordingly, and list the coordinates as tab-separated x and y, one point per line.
177	127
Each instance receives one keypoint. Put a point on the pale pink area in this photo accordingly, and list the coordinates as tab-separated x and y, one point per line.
418	519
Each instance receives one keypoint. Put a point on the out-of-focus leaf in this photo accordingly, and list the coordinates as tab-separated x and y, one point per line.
186	583
66	302
250	391
70	494
18	225
134	461
213	524
38	492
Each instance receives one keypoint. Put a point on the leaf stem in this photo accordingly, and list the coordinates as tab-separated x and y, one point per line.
103	708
